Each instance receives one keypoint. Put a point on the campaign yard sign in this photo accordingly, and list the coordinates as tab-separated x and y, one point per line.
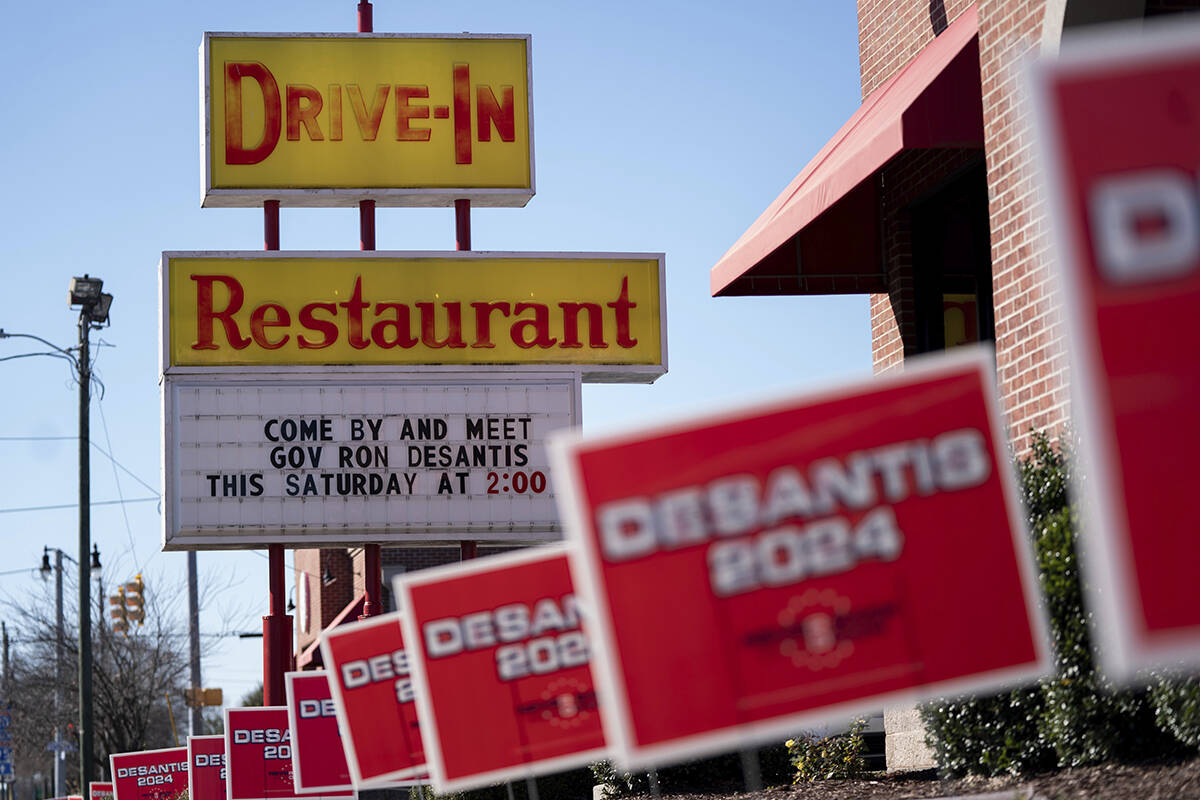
258	756
773	566
318	761
206	767
1121	146
150	774
368	670
496	645
100	790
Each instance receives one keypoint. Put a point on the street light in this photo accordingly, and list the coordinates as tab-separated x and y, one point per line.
58	746
88	294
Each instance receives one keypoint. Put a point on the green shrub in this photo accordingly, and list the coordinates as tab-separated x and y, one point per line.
1177	707
721	773
823	757
1074	717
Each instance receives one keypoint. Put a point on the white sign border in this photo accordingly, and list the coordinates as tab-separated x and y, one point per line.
1111	587
402	590
584	560
401	777
346	197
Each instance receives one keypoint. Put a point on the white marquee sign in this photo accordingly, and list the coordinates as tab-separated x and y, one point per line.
312	462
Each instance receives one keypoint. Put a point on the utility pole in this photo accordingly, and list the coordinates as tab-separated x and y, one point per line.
60	755
85	546
93	305
195	710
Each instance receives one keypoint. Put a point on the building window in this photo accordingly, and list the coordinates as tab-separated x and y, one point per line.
388	600
952	263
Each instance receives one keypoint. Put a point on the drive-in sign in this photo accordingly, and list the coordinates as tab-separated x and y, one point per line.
318	762
373	697
150	774
206	767
258	755
1122	147
497	645
756	570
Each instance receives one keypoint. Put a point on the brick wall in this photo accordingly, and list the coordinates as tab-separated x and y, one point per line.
892	32
1029	332
1029	335
325	602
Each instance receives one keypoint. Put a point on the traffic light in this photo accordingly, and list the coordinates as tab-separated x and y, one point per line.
135	601
119	612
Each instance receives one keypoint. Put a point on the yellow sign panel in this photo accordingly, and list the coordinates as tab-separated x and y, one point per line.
601	311
328	120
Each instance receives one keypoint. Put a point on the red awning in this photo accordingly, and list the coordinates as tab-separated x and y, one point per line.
310	657
821	236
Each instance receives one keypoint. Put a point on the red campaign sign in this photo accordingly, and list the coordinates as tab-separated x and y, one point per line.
206	767
150	774
100	790
372	693
496	645
258	756
318	761
1121	146
762	569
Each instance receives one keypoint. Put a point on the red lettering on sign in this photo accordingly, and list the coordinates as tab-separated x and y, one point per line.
205	315
406	111
489	111
235	151
303	104
368	121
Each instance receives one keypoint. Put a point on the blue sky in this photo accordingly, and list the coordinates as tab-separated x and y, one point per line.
660	126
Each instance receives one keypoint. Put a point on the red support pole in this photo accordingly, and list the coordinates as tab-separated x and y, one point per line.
277	625
462	224
372	580
270	224
366	224
372	553
277	634
462	241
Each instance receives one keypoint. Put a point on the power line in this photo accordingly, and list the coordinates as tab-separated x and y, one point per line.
98	448
76	505
117	480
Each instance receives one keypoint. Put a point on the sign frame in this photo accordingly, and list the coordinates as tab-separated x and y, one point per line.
175	539
591	372
585	569
403	584
298	197
1124	644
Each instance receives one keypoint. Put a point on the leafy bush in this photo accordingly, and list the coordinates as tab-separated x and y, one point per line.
1177	707
1074	717
718	773
823	757
572	783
